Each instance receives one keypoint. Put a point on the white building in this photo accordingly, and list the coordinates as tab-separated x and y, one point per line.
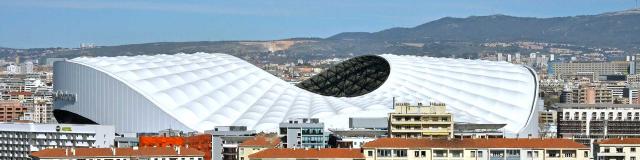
197	91
18	140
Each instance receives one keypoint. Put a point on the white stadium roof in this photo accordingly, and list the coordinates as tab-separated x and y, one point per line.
203	90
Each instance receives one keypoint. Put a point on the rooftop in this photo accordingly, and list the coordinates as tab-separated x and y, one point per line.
473	143
308	153
261	141
116	152
621	141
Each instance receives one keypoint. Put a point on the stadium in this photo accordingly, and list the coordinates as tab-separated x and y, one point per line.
196	92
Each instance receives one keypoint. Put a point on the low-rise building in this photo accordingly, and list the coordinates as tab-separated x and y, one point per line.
619	149
18	140
475	130
475	149
225	140
307	154
149	153
257	144
415	121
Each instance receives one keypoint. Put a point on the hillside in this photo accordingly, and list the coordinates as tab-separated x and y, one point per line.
443	37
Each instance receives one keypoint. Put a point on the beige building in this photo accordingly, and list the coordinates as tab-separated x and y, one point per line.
619	149
257	144
595	68
475	149
416	121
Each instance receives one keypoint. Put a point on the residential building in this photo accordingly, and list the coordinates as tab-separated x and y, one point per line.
225	140
415	121
619	149
586	123
201	142
475	149
597	68
11	110
588	94
306	154
303	133
257	144
149	153
18	140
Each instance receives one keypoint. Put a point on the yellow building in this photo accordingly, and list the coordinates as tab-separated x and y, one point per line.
619	149
475	149
416	121
257	144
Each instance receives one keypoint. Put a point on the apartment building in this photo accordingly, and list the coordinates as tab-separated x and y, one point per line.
586	123
11	110
147	153
303	133
475	149
596	68
308	154
257	144
619	149
587	94
18	140
415	121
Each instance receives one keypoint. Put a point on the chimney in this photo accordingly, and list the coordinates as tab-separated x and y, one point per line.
73	151
66	151
178	150
135	148
113	151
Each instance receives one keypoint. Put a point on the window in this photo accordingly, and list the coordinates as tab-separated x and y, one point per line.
606	150
529	154
480	154
416	153
370	153
384	153
618	150
586	153
633	158
400	153
633	149
535	154
423	153
473	154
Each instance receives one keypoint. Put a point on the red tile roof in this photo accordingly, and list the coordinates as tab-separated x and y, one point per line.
120	152
20	93
621	141
309	153
473	143
261	141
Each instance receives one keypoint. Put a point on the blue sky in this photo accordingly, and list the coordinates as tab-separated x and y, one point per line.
67	23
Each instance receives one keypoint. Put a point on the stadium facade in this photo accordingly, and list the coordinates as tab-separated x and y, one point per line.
196	92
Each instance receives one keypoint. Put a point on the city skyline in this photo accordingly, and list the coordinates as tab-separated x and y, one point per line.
70	23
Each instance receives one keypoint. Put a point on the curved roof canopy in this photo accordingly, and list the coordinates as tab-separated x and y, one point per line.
204	90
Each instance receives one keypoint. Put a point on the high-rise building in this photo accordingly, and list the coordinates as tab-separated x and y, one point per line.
500	58
596	68
303	133
18	140
587	123
415	121
509	58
